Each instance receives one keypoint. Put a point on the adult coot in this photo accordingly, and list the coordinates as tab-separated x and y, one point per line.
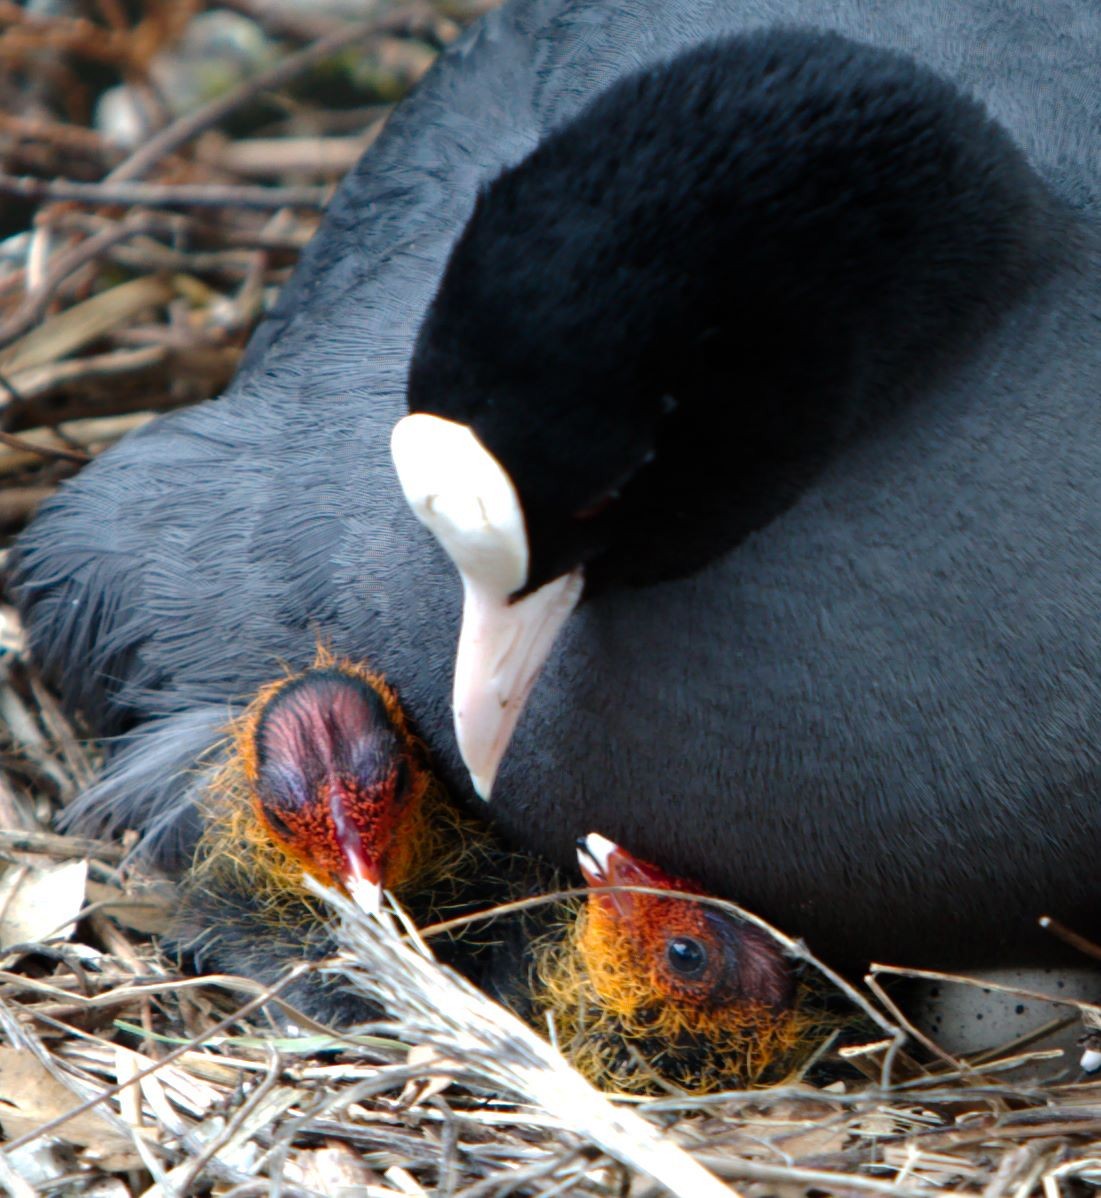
827	454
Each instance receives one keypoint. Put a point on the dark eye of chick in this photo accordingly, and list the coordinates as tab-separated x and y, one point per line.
401	780
687	957
278	824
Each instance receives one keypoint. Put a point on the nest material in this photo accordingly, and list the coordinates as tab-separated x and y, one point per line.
130	287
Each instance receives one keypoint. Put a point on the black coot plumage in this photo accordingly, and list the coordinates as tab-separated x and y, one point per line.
875	716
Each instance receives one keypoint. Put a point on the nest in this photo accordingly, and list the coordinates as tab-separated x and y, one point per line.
129	283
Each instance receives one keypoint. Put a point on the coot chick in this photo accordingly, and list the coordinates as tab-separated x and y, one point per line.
644	988
336	781
639	987
876	719
321	776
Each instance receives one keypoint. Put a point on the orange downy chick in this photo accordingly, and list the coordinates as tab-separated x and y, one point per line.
646	989
324	777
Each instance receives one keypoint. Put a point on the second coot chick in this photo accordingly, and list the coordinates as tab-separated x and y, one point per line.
644	987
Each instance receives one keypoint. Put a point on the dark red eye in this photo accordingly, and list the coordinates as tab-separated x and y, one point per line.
598	506
687	957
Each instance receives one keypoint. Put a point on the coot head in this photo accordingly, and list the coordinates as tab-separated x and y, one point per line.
335	778
658	327
653	982
644	950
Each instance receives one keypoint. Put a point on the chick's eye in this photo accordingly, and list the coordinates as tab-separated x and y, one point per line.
687	957
278	824
401	779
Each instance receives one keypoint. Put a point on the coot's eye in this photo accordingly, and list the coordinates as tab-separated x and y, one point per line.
401	779
687	957
598	506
